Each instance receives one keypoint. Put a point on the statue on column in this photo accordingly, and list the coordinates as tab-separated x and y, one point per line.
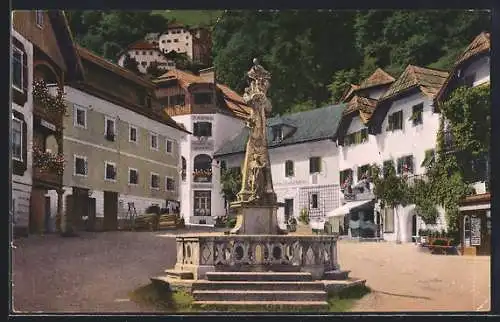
257	186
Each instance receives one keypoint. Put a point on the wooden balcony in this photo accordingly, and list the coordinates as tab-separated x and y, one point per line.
178	110
48	178
47	115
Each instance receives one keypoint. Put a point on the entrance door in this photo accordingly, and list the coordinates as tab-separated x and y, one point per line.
47	214
288	209
414	226
91	215
110	210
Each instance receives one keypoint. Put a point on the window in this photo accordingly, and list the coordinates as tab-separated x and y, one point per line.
170	184
405	164
110	129
133	176
395	121
416	114
137	53
345	175
388	220
150	52
387	166
314	165
110	171
314	201
163	41
176	40
289	171
144	63
17	139
176	100
132	134
357	137
202	165
144	53
203	98
17	69
202	203
39	18
155	181
223	167
153	141
363	172
80	163
183	168
202	129
187	37
170	146
277	133
80	116
169	41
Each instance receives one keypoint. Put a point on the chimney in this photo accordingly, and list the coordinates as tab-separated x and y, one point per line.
208	75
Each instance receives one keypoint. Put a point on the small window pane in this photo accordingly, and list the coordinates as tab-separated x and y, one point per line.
80	166
110	172
133	177
17	68
17	139
155	181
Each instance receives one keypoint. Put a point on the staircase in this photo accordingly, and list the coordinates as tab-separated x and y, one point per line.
260	289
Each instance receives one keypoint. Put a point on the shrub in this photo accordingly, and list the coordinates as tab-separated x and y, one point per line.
153	209
304	216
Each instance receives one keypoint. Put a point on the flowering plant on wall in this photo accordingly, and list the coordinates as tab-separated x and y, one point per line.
42	96
47	161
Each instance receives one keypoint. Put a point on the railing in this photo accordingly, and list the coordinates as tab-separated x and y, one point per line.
202	177
310	253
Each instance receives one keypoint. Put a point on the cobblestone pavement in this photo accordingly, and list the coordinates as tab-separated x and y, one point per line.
402	278
95	272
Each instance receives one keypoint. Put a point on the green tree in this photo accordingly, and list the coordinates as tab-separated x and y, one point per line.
230	183
392	190
153	70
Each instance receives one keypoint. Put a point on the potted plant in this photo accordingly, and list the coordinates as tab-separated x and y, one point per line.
303	223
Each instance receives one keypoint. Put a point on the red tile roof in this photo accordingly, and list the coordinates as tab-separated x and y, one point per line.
379	77
349	90
479	45
429	81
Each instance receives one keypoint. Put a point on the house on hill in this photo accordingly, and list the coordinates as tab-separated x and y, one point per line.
146	53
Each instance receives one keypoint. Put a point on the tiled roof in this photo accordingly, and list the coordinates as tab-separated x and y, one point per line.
232	99
175	25
364	105
142	44
429	81
87	54
379	77
480	44
349	91
312	125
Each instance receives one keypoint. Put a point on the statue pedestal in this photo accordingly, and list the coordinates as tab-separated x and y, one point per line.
256	219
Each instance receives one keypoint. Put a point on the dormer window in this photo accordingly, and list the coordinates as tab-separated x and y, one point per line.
277	133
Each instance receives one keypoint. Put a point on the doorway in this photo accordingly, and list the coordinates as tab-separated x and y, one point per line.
110	210
47	225
288	209
414	227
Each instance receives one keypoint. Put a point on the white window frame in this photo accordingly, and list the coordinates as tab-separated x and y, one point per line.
151	134
15	119
75	116
130	127
106	163
15	49
109	118
166	146
76	156
166	186
151	174
137	174
39	18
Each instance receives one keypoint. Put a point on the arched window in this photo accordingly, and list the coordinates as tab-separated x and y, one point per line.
183	167
202	168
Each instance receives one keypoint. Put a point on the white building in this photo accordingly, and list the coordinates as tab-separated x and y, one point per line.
122	156
146	53
304	162
21	130
195	43
214	114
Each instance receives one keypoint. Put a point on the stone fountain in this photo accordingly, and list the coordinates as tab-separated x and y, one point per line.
256	249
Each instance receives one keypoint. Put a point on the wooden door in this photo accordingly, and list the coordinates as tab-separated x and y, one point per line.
91	222
110	210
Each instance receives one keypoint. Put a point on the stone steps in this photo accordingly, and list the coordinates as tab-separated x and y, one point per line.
263	305
258	285
259	276
253	295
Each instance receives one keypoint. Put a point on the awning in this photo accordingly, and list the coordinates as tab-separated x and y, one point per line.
348	207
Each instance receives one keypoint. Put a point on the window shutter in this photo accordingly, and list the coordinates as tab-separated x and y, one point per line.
25	146
25	72
195	129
